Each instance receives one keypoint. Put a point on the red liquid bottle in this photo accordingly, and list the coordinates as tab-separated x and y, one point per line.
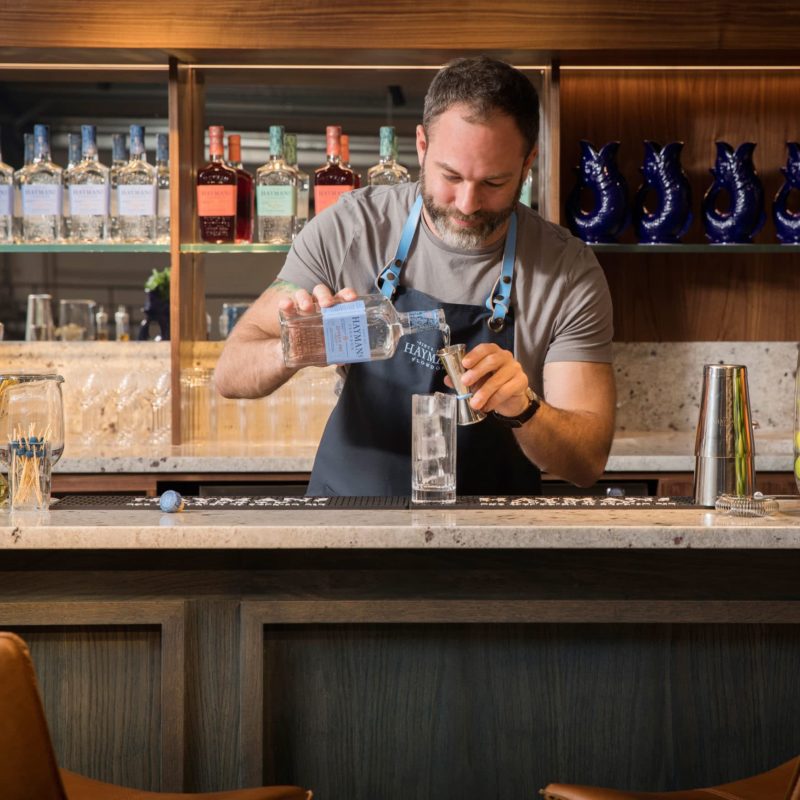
333	179
345	139
245	197
216	194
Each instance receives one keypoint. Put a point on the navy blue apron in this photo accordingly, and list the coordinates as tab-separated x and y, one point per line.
366	447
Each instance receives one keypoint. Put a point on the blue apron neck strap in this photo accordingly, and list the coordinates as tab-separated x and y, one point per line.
499	298
389	278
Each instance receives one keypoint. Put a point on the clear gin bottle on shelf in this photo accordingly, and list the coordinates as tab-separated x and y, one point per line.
137	193
366	329
119	158
27	138
73	159
6	200
387	172
303	182
162	173
87	185
40	184
276	194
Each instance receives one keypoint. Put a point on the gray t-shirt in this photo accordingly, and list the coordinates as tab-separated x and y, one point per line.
560	297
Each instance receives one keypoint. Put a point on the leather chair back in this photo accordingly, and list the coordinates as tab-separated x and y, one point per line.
28	768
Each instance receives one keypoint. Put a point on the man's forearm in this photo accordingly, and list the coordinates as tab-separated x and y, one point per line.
251	368
572	445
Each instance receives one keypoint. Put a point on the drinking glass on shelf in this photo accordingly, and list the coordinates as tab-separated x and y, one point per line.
39	319
31	435
76	320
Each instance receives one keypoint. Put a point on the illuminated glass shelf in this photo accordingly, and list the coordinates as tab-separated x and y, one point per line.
641	249
105	247
235	248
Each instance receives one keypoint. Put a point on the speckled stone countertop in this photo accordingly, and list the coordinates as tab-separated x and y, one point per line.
572	528
645	451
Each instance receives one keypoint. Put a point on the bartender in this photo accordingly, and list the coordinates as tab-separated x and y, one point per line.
528	299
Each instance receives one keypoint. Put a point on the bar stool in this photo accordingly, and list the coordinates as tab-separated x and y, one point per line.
781	783
28	768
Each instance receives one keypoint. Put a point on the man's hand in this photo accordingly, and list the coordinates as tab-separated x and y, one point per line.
303	301
496	379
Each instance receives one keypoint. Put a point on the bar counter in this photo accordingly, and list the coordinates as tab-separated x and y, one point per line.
424	528
413	652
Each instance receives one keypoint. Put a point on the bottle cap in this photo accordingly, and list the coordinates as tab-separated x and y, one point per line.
162	147
290	148
216	138
235	148
332	140
276	141
137	140
387	141
345	143
88	141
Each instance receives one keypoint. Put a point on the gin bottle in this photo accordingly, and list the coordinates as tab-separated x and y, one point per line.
290	152
276	194
387	172
6	200
366	329
345	141
162	183
73	159
41	186
137	193
526	190
27	161
244	191
87	185
216	193
332	179
119	158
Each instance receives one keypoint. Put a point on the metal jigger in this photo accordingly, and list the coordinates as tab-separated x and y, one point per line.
451	358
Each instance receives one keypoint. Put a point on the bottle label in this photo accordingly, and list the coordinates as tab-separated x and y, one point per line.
325	196
136	201
216	201
41	200
423	319
163	203
276	201
6	201
346	335
89	200
302	204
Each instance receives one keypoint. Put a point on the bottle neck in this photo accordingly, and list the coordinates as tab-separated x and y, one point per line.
412	321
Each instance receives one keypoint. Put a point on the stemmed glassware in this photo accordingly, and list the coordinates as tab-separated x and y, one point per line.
157	395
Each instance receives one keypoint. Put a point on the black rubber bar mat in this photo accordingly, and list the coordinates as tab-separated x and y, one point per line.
85	502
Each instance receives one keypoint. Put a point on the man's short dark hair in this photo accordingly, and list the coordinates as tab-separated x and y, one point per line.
487	86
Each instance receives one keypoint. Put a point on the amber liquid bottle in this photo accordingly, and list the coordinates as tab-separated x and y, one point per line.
332	179
216	193
245	198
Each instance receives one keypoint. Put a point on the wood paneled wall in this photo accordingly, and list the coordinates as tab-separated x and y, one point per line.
467	24
684	297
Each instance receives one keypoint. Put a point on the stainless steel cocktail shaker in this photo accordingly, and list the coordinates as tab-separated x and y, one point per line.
724	451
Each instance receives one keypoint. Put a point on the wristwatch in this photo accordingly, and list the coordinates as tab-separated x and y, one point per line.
534	401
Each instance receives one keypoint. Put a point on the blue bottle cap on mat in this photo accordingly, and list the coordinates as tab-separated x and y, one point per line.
171	501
